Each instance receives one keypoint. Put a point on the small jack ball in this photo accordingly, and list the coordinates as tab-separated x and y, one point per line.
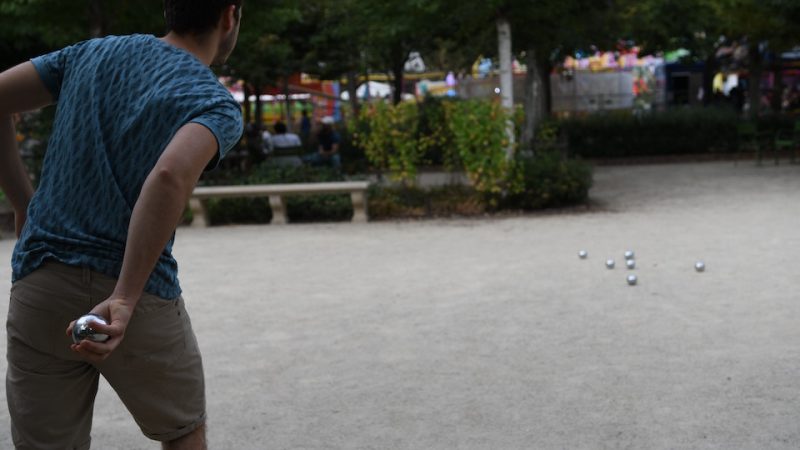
700	266
583	254
83	329
629	254
632	280
631	264
610	263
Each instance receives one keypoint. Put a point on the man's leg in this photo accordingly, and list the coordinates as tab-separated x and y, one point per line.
50	391
157	372
196	440
50	407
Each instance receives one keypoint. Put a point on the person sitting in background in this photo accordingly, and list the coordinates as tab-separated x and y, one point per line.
305	127
283	139
327	153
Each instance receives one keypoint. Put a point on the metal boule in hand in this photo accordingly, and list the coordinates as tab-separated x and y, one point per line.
83	329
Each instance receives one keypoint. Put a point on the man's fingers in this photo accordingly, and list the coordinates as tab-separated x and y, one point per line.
112	330
69	328
93	351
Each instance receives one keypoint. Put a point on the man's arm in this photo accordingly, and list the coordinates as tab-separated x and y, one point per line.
156	214
21	89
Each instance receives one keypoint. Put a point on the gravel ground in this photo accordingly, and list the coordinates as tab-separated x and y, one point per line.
492	334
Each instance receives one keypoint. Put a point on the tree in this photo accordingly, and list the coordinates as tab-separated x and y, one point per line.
392	30
336	49
32	27
702	25
547	31
694	25
542	31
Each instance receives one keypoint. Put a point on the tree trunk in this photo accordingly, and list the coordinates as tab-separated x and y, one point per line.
259	113
352	88
754	81
398	69
777	90
545	69
506	77
287	98
535	101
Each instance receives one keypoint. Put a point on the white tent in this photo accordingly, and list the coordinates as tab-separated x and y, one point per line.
376	90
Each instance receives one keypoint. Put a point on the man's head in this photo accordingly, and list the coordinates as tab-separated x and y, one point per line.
202	19
280	127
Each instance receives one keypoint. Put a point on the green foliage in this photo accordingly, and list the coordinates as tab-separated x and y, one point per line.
672	132
550	182
470	135
478	130
547	134
298	208
415	202
32	27
354	161
389	135
433	124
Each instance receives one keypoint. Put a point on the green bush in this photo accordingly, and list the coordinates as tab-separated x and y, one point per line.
354	160
415	202
299	208
390	137
672	132
469	135
479	133
433	118
549	182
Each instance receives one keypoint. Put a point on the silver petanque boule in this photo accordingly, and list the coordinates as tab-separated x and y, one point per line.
700	266
83	329
629	254
631	264
583	254
610	263
632	280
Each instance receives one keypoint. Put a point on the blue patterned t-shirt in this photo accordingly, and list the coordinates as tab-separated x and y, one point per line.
120	100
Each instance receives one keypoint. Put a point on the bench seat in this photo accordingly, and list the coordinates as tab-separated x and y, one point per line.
276	192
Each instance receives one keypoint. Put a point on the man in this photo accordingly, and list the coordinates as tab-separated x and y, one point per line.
138	120
327	153
284	139
305	126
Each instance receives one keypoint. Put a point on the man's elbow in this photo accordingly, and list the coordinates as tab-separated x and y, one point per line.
172	181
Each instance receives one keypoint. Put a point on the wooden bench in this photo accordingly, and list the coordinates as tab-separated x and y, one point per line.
275	192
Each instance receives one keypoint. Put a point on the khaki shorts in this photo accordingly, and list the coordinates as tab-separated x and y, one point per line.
156	371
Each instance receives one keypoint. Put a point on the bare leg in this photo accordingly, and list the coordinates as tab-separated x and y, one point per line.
196	440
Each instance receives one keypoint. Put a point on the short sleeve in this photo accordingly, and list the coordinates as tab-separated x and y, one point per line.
51	68
224	120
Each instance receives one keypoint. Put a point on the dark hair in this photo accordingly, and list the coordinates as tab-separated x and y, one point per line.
196	16
280	127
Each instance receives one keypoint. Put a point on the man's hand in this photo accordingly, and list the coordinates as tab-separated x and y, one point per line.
117	311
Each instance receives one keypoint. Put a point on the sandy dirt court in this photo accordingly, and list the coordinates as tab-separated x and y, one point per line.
492	334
